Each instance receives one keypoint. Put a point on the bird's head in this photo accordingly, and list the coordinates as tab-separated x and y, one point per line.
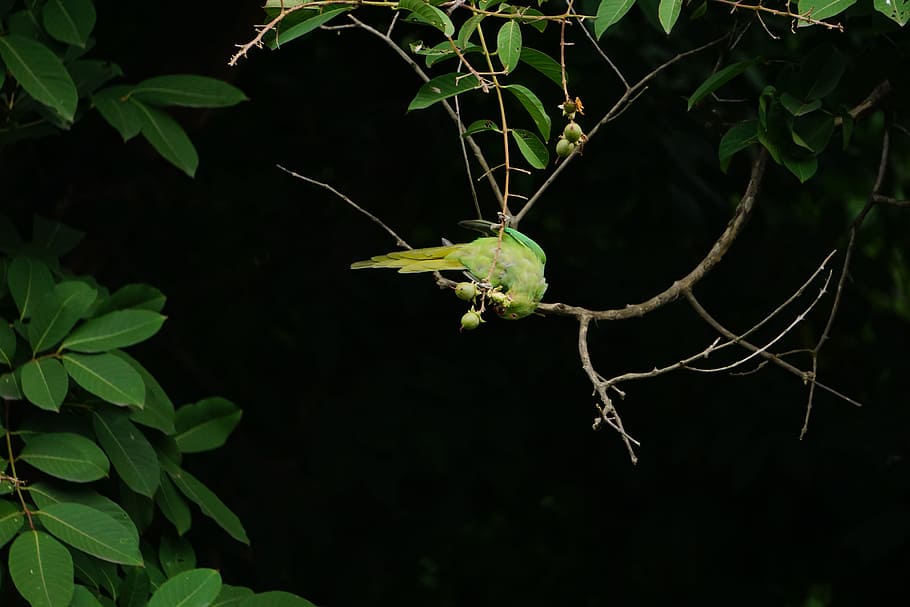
513	307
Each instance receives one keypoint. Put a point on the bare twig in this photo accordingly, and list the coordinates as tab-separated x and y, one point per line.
801	17
401	242
718	250
631	93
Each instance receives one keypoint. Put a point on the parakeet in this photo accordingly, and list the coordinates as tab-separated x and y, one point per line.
518	265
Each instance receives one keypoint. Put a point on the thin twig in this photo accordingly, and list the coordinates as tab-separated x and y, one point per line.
401	242
630	94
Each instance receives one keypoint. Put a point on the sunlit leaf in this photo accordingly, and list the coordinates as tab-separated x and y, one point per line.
822	9
896	10
11	521
158	410
173	506
668	12
114	106
508	44
609	13
139	296
479	126
429	14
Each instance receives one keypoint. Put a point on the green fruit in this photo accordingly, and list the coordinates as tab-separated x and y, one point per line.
564	147
573	132
471	320
466	290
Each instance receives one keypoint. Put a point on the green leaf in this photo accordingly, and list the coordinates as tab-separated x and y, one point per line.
820	72
138	296
429	14
44	383
231	596
207	501
91	531
188	91
467	29
107	377
83	597
718	79
176	555
205	425
46	494
803	168
508	45
668	12
543	63
306	26
168	138
9	387
57	312
158	411
194	588
41	569
90	74
7	343
533	106
609	13
69	21
99	574
275	598
28	279
114	106
532	148
173	506
443	87
813	132
11	521
129	451
40	73
798	107
479	126
822	9
54	237
896	10
65	455
134	590
114	330
739	137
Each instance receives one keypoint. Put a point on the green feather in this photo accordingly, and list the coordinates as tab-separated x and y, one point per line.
517	264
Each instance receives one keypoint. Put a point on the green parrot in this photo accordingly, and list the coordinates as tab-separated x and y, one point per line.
518	268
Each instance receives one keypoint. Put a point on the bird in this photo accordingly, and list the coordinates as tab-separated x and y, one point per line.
517	265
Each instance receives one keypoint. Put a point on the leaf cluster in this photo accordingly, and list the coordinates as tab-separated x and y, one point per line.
48	82
94	447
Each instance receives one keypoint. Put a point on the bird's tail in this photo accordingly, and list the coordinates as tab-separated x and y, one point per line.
430	259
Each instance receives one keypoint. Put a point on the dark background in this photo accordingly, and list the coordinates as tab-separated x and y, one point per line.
385	458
